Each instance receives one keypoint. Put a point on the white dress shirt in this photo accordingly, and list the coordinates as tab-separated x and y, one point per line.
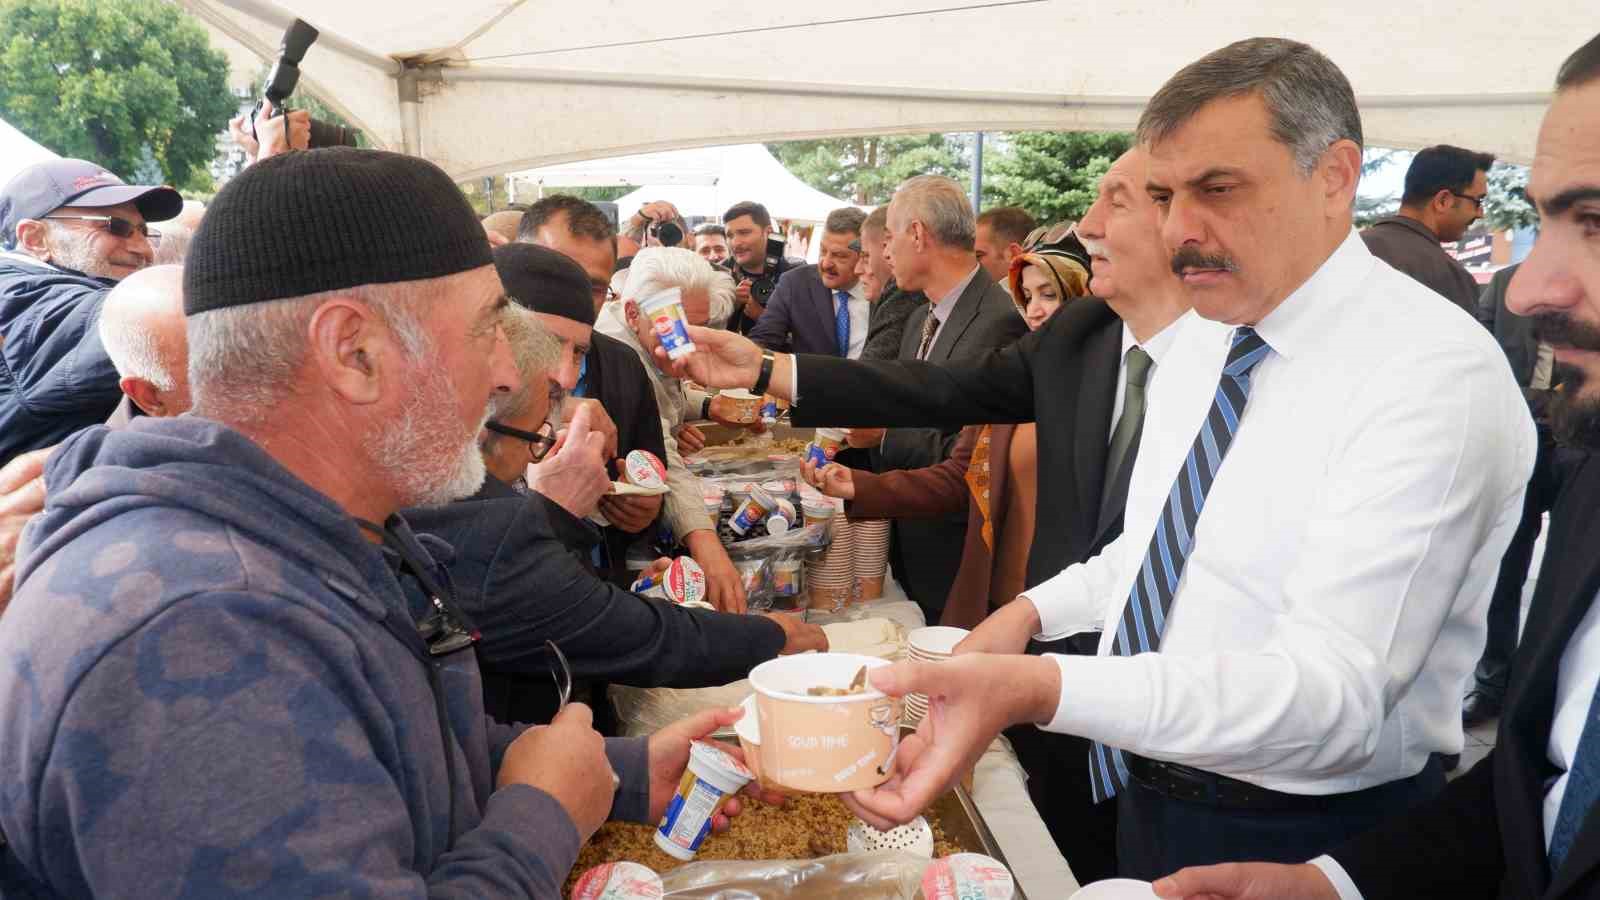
1575	687
1155	348
1335	598
860	314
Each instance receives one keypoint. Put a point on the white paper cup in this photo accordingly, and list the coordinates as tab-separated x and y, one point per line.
936	641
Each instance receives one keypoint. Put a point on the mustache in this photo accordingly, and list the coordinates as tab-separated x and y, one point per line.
1193	258
1095	247
1561	330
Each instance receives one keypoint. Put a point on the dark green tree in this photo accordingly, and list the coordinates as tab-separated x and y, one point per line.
866	170
1052	174
105	79
1507	207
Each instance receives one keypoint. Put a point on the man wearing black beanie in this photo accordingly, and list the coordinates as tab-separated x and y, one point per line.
216	683
596	368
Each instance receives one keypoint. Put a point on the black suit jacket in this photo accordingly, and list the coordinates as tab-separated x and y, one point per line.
926	553
1484	836
1063	376
617	379
800	318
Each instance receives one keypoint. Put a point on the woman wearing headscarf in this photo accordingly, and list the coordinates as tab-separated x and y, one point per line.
992	466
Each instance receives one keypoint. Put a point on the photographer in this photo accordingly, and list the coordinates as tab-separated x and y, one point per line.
656	224
757	261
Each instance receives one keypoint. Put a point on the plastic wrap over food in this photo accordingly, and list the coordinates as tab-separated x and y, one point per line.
851	876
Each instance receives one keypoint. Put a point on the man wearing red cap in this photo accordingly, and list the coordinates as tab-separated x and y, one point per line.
70	231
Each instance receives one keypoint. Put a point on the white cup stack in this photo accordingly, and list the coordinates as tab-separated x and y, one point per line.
931	644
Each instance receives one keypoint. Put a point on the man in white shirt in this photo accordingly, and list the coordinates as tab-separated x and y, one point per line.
1299	591
1522	822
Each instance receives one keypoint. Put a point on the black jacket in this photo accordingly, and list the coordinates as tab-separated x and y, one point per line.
519	579
616	378
55	377
1064	376
740	323
1483	837
887	322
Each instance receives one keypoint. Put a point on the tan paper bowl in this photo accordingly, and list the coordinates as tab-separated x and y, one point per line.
823	745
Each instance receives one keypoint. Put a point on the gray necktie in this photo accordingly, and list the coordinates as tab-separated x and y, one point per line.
929	326
1132	420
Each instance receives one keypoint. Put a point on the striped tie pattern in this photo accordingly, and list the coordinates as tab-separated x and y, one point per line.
1144	618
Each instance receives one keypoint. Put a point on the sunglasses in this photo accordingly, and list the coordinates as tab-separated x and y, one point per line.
1046	235
116	225
539	442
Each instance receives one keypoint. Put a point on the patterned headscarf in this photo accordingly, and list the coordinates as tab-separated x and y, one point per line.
1057	250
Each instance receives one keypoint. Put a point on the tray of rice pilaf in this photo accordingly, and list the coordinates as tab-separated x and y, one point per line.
806	826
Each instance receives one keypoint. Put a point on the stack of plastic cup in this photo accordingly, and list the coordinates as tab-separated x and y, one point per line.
830	584
931	644
871	556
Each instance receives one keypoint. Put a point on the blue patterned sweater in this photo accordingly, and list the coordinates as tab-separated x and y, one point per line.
211	686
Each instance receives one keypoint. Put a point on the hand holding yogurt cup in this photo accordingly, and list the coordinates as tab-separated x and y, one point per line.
670	752
831	479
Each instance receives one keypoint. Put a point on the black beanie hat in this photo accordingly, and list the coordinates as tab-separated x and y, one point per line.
545	281
309	221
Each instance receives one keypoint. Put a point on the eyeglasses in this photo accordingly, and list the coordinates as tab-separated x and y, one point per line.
602	292
539	442
118	226
1476	201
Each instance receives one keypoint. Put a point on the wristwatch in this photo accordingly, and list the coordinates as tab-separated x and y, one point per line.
765	378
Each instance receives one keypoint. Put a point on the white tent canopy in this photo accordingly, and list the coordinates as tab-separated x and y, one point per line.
488	86
18	151
702	182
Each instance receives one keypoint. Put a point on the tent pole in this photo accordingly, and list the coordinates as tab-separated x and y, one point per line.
410	111
977	172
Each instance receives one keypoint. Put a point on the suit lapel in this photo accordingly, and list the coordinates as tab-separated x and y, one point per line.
1566	589
966	309
822	306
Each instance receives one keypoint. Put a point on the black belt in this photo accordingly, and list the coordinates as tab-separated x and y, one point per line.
1210	789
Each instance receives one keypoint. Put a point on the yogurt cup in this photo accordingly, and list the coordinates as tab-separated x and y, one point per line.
825	445
778	487
683	582
756	509
967	876
618	881
1116	889
786	577
747	406
712	777
642	468
664	310
817	512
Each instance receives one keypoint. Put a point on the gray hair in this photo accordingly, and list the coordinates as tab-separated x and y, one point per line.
135	352
655	269
243	359
174	244
942	207
536	353
1309	100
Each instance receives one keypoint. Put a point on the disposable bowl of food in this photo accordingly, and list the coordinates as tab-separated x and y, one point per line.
822	744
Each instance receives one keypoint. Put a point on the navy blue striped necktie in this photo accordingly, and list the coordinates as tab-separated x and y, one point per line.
1144	617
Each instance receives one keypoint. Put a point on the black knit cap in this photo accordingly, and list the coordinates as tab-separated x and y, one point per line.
319	220
545	281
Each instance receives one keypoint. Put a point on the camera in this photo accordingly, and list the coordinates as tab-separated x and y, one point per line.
762	286
667	234
286	75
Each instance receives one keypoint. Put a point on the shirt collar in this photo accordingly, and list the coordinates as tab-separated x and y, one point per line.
1158	344
1303	317
941	310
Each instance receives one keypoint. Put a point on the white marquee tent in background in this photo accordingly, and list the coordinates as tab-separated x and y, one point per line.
701	182
483	87
18	151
